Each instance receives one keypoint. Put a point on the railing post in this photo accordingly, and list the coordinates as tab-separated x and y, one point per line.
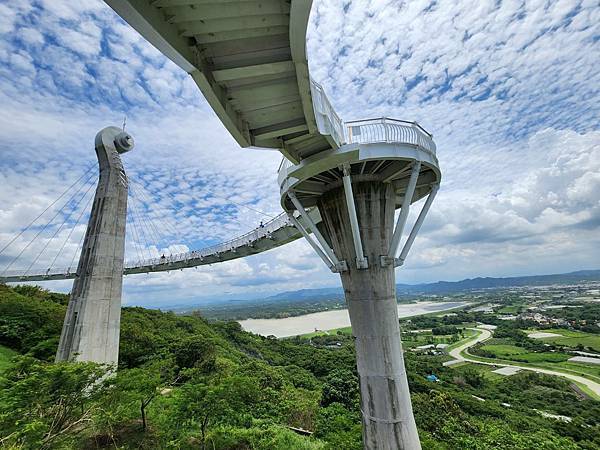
385	130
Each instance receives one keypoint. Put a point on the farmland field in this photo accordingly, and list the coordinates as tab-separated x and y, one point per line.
571	338
514	353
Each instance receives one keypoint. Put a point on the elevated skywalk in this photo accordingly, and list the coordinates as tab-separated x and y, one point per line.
280	230
248	57
272	234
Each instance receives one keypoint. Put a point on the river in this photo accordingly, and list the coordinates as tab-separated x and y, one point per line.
329	320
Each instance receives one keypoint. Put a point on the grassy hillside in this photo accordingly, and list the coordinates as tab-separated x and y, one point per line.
186	383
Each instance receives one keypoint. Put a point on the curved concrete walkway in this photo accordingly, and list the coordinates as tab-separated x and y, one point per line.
486	334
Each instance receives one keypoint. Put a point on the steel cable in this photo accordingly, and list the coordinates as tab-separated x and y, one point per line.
44	211
46	225
59	228
83	211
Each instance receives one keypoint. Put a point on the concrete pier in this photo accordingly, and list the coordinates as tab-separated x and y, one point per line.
92	323
388	422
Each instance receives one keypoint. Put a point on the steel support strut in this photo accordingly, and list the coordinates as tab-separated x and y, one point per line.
408	195
339	265
312	243
361	261
417	226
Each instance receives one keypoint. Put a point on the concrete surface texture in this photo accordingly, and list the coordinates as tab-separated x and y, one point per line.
506	371
388	421
92	323
585	360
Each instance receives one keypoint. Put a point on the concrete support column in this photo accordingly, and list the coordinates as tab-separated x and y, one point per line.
388	422
92	324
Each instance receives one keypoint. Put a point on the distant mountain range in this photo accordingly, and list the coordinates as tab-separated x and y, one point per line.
453	287
335	295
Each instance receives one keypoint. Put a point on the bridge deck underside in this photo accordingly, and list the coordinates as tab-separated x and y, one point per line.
248	59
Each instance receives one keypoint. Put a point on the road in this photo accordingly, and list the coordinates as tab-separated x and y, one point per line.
486	334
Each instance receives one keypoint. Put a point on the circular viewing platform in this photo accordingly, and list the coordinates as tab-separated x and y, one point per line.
375	149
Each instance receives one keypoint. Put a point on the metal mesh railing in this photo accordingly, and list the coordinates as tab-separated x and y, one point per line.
378	130
328	122
266	230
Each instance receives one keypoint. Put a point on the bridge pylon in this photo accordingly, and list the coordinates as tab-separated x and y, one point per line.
356	189
92	324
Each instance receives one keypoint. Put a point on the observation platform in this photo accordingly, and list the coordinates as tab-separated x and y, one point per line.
380	148
249	60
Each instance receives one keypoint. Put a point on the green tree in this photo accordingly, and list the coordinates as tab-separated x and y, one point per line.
144	384
341	386
44	404
195	352
474	378
27	322
201	403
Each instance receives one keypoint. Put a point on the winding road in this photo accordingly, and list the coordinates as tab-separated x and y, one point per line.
485	334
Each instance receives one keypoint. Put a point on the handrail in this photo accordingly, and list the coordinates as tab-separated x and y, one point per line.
248	238
389	130
264	231
389	119
328	122
382	129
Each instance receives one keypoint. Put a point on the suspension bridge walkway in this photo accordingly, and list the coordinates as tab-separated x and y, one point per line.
271	234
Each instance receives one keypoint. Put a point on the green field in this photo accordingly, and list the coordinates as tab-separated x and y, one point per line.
510	309
411	340
486	371
586	370
468	335
571	338
345	330
6	355
514	353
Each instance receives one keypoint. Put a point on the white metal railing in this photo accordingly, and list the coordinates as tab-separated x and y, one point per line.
378	130
389	130
328	122
35	273
258	233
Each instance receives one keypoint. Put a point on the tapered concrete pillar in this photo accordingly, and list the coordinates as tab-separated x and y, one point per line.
388	422
92	323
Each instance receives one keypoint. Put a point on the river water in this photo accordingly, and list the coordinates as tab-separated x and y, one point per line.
329	320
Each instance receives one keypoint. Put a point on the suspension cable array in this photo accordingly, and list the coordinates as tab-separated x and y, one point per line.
152	230
73	203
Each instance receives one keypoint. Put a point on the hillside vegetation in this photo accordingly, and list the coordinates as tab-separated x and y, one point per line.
185	383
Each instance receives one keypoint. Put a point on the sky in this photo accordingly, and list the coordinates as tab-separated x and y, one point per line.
509	89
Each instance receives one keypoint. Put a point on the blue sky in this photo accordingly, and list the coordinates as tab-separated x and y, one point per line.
509	90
